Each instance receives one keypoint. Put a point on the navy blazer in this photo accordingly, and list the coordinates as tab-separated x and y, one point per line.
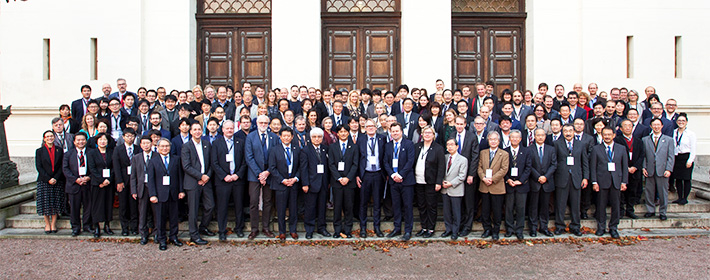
256	159
278	166
523	162
351	159
176	141
77	108
405	162
576	172
191	164
97	164
344	120
121	161
362	144
70	168
309	168
637	155
667	129
156	171
545	168
163	133
600	173
413	123
219	162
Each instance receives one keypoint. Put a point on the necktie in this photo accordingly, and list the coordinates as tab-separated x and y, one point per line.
554	138
165	160
459	142
288	155
82	162
263	146
655	143
372	146
609	154
406	118
577	136
569	147
318	152
396	155
337	121
230	146
342	150
145	122
448	166
130	152
491	156
530	137
515	157
539	154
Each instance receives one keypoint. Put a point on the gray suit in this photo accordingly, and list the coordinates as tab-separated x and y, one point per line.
68	142
139	187
191	164
656	162
609	182
452	197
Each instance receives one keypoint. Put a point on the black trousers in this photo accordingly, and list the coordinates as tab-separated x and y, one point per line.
571	195
194	196
427	202
371	187
471	200
85	203
683	189
127	209
452	213
145	211
75	210
491	211
609	196
586	199
515	212
343	203
629	197
403	207
257	193
102	203
225	191
538	209
164	212
314	217
287	199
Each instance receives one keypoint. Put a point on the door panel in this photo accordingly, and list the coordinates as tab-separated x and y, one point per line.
341	55
254	56
504	58
218	58
379	58
467	60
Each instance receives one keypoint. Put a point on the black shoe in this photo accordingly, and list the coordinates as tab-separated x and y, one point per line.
107	229
134	232
454	237
533	233
406	237
53	231
309	235
486	233
379	233
559	231
584	216
363	234
87	229
599	232
47	231
223	237
97	232
349	235
336	235
631	215
388	218
324	233
421	232
124	232
394	233
199	241
446	234
614	234
144	240
508	234
428	234
494	236
205	231
163	246
648	215
663	217
464	233
176	242
75	233
240	234
576	232
519	236
547	232
677	201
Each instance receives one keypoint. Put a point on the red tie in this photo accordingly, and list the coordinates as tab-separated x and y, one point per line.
449	165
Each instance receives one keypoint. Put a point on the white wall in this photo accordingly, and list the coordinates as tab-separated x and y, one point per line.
296	43
425	43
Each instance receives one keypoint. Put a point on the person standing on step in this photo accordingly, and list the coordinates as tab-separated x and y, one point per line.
492	168
657	167
542	184
165	189
284	163
50	182
370	177
685	147
139	185
398	162
429	171
314	173
102	184
571	176
517	185
634	146
78	184
196	164
609	176
127	206
230	172
453	189
343	158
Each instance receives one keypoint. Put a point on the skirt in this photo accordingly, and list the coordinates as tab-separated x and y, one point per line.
50	199
680	171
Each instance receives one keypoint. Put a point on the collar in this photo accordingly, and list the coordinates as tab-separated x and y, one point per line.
343	142
540	146
286	146
493	150
81	150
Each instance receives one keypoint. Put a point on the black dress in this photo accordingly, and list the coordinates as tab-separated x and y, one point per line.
50	198
101	198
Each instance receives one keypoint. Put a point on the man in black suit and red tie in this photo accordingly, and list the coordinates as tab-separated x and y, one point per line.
165	188
609	175
634	145
75	169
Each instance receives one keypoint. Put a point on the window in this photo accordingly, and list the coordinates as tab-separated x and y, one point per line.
678	57
93	54
629	56
45	59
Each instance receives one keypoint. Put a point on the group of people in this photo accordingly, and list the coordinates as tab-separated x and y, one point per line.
302	151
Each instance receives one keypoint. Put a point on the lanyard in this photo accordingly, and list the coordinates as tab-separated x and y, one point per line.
678	138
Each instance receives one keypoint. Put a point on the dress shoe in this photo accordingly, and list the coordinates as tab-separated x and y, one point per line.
379	233
124	232
309	235
406	236
324	233
348	235
163	246
547	232
97	232
144	240
559	231
75	233
614	234
495	236
599	232
294	236
363	234
428	234
176	242
107	229
47	231
533	233
576	232
223	237
584	216
87	229
53	231
240	234
519	236
253	234
677	201
388	218
446	234
420	233
464	233
336	235
205	231
282	237
454	237
508	234
134	232
393	234
663	217
631	215
268	233
486	233
648	215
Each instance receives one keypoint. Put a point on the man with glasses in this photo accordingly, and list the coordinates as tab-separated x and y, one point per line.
256	151
657	111
118	119
671	106
370	177
122	86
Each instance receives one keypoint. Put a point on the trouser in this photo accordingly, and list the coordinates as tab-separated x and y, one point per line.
628	197
427	203
287	199
683	189
314	216
204	194
471	199
452	213
127	209
343	200
259	193
586	199
562	196
225	191
85	203
656	185
515	212
538	209
402	205
75	210
491	211
608	196
371	187
164	212
144	206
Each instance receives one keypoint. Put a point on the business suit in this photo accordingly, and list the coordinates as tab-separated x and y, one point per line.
539	196
78	108
139	187
550	139
452	197
166	209
522	113
101	198
221	150
568	180
396	108
285	195
312	160
64	142
117	122
469	148
639	131
636	155
586	199
578	113
372	176
403	192
343	195
127	206
167	121
528	137
344	120
668	126
658	159
177	143
492	195
609	182
516	196
410	125
257	161
78	194
194	168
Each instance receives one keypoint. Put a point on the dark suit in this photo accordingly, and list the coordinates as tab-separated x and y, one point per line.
312	161
167	194
219	153
127	206
579	113
372	177
167	121
550	139
139	187
344	120
410	126
516	197
402	193
609	182
633	188
177	144
285	195
343	195
471	198
78	194
193	169
101	198
539	196
257	162
396	109
568	180
65	144
586	199
77	108
434	172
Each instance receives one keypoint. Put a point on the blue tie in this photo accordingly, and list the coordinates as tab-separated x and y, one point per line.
609	154
459	142
396	154
263	146
288	155
539	154
342	151
577	136
165	160
569	146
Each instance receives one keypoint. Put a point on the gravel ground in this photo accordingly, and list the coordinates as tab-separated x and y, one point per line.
675	258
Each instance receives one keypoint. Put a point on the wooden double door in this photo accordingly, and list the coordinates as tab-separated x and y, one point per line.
235	55
358	55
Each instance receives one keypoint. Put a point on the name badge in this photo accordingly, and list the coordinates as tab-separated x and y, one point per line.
630	155
320	169
489	173
611	166
146	178
395	163
513	172
341	166
570	161
166	180
128	170
228	158
82	171
106	173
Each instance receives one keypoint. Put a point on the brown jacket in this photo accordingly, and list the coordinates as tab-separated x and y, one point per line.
499	167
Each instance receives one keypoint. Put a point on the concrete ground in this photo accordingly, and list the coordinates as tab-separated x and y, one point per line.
588	258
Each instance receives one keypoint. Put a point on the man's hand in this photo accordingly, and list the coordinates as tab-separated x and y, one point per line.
154	199
263	175
632	169
204	179
469	180
596	187
52	181
437	187
584	183
645	173
358	181
542	179
181	195
135	196
305	189
487	181
119	187
688	165
344	181
228	178
623	187
667	174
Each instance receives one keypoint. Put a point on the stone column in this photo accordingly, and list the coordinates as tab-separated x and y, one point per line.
8	169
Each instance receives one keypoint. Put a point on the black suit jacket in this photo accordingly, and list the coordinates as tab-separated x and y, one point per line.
545	168
580	169
191	163
97	164
77	108
139	172
156	171
309	168
434	162
219	163
344	119
43	163
70	169
412	125
405	162
362	144
600	174
636	152
523	162
278	166
469	150
121	162
350	158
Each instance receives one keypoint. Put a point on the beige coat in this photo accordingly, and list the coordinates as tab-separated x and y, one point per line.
499	167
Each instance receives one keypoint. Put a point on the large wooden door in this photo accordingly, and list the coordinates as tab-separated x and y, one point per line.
234	56
359	56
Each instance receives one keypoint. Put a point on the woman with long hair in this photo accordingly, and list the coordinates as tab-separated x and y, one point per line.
328	136
423	121
88	125
311	119
271	102
423	104
50	182
448	128
541	118
352	104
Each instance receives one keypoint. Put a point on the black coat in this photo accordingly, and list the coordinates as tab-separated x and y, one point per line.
43	163
434	162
